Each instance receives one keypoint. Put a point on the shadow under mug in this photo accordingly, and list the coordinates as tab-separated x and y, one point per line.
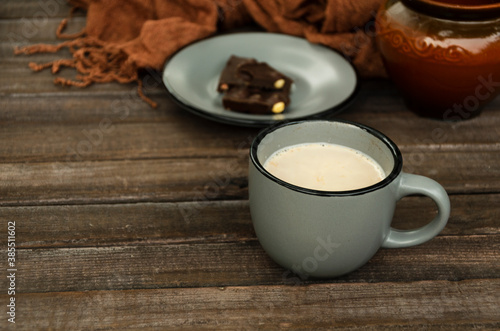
328	233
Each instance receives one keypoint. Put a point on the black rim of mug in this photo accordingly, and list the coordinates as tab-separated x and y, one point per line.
396	154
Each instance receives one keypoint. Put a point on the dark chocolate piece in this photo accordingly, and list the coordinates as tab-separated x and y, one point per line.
254	87
240	71
229	76
262	75
255	101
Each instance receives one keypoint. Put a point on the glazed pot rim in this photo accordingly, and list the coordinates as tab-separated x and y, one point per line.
473	12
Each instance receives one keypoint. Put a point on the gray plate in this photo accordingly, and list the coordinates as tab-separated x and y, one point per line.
324	81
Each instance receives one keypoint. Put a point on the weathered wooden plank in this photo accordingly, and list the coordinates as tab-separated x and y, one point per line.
411	132
78	106
175	132
122	181
34	9
129	224
122	106
110	139
239	263
33	29
418	306
153	180
462	172
119	132
80	114
206	221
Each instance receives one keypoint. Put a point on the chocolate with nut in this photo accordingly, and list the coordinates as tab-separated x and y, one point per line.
262	75
230	76
255	101
253	87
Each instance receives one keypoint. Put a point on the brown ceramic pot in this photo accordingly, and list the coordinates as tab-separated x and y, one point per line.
444	55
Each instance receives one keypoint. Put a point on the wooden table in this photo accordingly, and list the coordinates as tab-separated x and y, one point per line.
128	217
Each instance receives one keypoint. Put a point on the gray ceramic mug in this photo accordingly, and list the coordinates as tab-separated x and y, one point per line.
328	234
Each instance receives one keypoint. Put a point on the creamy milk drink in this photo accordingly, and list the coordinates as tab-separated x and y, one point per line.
324	167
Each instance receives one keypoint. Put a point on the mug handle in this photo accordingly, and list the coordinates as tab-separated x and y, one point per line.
415	184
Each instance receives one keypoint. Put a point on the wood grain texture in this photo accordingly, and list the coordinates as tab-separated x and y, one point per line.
34	9
207	222
119	132
239	263
117	123
423	305
190	179
31	29
109	139
123	181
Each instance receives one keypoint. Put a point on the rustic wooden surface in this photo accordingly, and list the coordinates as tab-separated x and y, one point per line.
146	224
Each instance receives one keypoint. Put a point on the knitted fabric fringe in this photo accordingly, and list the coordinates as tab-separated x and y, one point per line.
95	61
